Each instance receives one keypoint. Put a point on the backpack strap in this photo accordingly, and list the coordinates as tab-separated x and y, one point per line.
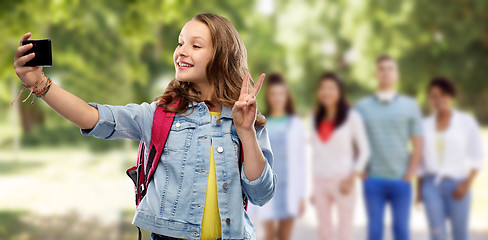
137	174
161	127
162	123
244	196
141	173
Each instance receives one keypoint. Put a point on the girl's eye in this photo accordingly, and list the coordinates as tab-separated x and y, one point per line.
196	46
180	44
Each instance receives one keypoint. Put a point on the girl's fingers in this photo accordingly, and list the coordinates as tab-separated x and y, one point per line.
22	49
25	37
258	85
251	102
31	69
244	84
250	77
24	59
239	106
247	98
24	70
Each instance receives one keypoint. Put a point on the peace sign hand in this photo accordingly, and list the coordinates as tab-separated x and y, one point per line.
245	109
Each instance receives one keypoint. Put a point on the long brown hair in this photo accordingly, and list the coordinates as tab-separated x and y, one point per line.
225	70
342	105
275	79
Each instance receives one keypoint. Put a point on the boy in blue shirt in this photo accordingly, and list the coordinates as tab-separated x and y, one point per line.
392	121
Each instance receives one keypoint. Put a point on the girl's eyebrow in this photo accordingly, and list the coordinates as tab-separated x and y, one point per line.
194	37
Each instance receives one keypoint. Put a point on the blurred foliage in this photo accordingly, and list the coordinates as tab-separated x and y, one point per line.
67	136
9	221
116	52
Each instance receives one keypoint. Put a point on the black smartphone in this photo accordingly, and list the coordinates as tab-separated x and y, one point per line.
43	50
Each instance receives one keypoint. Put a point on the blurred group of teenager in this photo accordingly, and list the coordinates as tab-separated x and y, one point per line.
384	141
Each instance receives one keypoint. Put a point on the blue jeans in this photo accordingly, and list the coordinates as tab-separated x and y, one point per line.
440	206
377	193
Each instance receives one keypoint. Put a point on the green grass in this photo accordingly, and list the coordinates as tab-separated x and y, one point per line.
15	225
15	167
10	224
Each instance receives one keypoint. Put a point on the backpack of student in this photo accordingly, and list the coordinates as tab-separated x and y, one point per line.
144	169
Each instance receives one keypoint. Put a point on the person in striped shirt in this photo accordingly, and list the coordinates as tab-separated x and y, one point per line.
392	121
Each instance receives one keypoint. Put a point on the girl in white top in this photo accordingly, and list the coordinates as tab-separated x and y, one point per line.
452	157
453	150
288	141
340	151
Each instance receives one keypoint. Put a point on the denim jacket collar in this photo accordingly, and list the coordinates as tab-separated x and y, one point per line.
226	110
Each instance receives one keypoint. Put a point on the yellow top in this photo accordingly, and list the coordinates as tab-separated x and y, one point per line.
211	228
440	147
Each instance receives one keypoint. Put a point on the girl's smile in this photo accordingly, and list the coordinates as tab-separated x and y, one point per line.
183	65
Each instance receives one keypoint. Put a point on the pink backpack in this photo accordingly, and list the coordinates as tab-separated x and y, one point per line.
144	169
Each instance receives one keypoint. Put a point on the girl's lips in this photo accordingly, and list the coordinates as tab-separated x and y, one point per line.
183	65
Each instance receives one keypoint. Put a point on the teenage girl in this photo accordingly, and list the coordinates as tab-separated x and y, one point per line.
196	191
452	157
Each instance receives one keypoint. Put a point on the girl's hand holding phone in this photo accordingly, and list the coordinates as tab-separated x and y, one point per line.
245	109
28	75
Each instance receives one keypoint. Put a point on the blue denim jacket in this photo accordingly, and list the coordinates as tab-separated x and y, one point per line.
173	205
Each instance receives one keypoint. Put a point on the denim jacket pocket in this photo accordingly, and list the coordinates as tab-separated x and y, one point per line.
180	135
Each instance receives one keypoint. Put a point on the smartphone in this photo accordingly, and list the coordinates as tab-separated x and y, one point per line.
43	50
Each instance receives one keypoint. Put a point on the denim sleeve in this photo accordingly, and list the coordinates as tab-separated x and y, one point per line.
261	190
133	121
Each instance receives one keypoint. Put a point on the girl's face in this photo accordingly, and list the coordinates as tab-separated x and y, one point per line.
438	100
277	97
193	52
328	93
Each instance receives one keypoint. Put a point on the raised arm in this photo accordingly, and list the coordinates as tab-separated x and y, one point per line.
66	104
258	179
